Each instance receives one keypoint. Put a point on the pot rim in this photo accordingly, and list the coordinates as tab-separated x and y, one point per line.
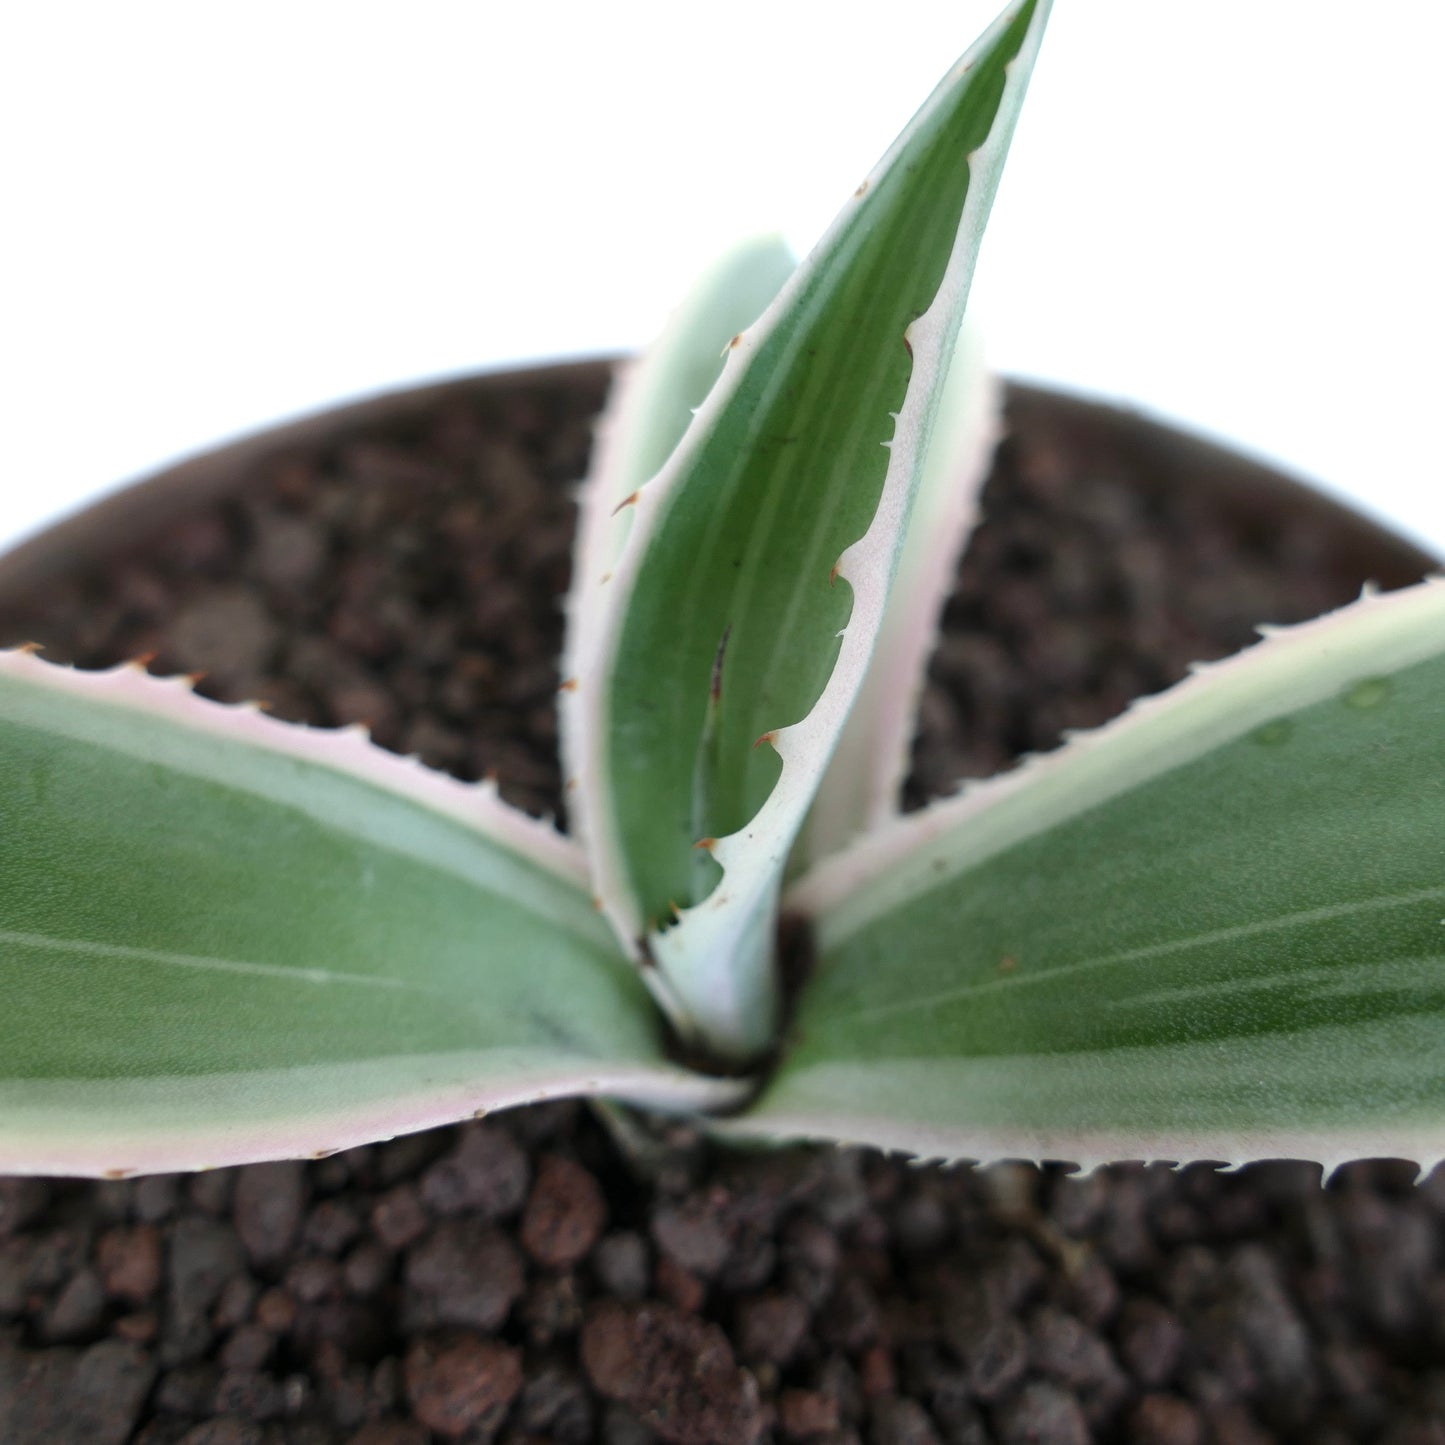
1254	489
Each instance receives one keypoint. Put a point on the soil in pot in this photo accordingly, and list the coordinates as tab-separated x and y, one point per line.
514	1279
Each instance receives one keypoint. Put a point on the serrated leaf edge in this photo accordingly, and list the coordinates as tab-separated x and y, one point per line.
863	787
347	750
1087	1153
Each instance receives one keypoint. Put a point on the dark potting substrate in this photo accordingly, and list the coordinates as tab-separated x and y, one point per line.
515	1279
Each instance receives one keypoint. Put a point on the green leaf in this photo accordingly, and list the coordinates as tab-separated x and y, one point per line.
1214	929
650	406
224	939
776	526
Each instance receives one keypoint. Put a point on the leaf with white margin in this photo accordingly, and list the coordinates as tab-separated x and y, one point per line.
226	939
751	589
653	398
1213	929
863	787
649	407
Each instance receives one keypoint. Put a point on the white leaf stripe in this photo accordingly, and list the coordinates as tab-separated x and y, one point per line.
78	949
1046	977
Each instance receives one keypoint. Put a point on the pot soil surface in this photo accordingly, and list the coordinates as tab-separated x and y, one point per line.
518	1279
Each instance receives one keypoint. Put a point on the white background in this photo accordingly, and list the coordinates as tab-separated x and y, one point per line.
220	214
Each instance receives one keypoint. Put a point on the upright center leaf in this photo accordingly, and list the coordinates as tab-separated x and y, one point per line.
740	538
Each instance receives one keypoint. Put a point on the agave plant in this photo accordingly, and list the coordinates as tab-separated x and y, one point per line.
1212	929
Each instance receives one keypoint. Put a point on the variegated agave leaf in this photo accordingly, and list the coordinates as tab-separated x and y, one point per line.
225	939
747	600
1214	929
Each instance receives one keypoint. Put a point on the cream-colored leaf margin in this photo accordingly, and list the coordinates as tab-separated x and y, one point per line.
851	1126
342	750
57	1134
863	786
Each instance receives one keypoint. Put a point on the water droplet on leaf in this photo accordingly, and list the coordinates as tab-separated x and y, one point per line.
1367	693
1272	734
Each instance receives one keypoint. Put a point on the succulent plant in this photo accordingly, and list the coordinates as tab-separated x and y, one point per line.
1211	929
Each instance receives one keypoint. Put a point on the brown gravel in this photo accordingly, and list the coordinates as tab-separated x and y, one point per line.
676	1373
514	1280
565	1213
460	1386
